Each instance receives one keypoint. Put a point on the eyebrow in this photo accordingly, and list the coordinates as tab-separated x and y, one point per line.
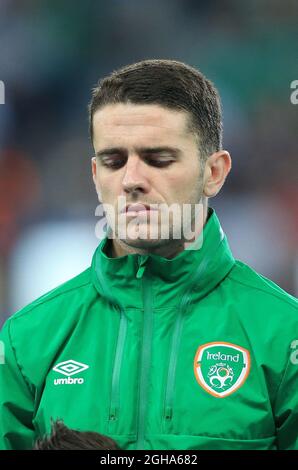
140	150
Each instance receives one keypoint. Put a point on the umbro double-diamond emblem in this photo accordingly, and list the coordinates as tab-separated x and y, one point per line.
69	368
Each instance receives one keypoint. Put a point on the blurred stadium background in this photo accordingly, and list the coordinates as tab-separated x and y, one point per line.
53	52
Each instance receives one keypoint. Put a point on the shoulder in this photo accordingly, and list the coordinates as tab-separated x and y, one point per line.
40	328
268	316
264	293
65	294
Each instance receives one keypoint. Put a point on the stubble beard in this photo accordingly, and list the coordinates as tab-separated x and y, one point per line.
169	238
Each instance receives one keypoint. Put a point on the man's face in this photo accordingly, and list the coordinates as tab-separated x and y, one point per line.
146	154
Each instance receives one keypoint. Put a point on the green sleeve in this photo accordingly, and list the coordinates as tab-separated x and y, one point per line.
286	406
16	398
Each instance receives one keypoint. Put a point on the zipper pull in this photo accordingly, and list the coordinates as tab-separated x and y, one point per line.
168	413
112	415
142	265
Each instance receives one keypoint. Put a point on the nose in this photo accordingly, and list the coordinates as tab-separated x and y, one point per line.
135	178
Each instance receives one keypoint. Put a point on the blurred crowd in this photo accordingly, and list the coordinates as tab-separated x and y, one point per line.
53	52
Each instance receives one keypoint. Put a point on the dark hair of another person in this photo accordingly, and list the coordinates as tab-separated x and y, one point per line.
171	84
64	438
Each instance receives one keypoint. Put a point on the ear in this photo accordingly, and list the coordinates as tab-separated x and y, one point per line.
94	169
95	177
217	167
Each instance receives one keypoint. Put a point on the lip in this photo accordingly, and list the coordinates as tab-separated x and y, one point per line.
135	208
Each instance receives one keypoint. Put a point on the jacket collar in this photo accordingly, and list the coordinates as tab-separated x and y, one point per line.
196	272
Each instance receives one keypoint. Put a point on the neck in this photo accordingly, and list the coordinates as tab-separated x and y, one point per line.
119	248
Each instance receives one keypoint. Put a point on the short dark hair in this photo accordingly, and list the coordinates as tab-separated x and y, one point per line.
171	84
65	438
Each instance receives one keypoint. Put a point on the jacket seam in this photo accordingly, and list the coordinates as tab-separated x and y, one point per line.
213	437
263	290
26	380
38	303
154	309
281	382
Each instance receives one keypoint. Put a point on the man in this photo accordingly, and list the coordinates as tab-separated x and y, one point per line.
166	342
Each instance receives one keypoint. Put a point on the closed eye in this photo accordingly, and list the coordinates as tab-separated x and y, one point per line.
114	163
158	162
118	162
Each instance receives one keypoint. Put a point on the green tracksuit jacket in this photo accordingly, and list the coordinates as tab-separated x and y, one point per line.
194	352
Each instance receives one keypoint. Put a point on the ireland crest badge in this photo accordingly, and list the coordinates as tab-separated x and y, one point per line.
221	368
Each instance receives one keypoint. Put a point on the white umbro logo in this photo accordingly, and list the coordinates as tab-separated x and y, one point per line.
69	368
